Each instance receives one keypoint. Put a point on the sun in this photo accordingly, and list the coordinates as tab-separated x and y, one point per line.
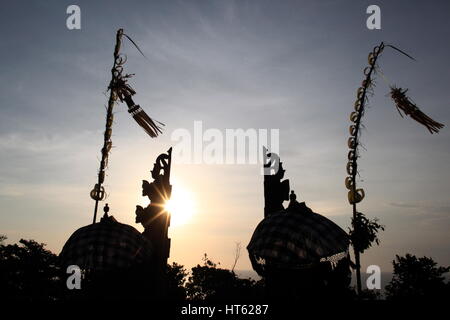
180	206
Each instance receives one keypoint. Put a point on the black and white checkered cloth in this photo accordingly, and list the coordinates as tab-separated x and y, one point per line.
106	245
296	238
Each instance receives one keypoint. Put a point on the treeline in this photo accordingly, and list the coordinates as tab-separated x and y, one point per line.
29	272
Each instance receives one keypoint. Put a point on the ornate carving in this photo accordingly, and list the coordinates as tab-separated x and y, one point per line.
154	218
275	190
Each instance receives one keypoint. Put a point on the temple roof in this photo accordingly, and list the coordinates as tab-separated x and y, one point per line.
106	245
295	238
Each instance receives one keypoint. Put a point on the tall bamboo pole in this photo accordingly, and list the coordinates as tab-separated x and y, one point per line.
356	195
119	89
403	103
98	193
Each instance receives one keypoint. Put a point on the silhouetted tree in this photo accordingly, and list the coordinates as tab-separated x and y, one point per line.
417	278
370	295
209	282
362	236
364	232
237	255
176	277
28	271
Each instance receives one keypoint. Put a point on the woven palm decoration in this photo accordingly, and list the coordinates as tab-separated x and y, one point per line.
404	103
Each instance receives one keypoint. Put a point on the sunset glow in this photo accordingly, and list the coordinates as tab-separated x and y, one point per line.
181	206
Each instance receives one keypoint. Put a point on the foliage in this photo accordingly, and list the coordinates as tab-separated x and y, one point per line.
364	232
176	277
209	282
370	295
417	278
28	271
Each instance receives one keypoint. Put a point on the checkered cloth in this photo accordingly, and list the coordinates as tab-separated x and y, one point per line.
296	238
106	245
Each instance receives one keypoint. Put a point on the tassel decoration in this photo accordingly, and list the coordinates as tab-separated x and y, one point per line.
142	118
145	121
403	103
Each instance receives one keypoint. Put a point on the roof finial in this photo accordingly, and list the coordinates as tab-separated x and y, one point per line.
105	210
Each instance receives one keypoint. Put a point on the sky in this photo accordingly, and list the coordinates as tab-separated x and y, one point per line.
288	65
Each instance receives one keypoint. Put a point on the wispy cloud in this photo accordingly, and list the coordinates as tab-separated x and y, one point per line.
36	142
424	211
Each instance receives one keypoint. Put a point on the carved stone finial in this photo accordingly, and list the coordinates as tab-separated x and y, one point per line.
275	190
292	196
105	210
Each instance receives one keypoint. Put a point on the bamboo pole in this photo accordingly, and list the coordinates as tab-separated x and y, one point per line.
403	103
98	192
355	195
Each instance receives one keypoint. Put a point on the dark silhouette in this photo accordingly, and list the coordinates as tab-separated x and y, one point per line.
296	206
299	253
208	282
118	261
154	218
275	190
418	278
364	232
176	280
28	272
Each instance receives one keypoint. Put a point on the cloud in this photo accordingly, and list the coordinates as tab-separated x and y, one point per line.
405	205
42	143
11	191
424	211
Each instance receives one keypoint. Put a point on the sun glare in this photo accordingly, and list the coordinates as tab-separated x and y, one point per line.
180	206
